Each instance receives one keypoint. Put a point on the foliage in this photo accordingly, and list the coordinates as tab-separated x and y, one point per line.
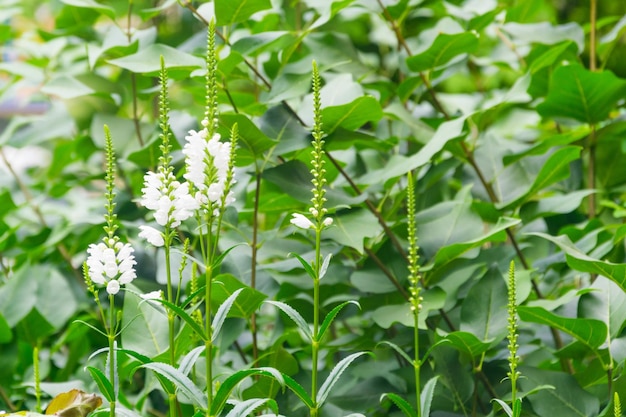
509	114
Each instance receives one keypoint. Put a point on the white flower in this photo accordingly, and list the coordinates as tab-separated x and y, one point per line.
111	266
208	163
152	235
113	287
169	199
301	221
153	295
328	221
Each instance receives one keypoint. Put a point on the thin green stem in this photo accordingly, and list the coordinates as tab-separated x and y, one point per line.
171	316
208	344
253	266
37	377
111	337
417	363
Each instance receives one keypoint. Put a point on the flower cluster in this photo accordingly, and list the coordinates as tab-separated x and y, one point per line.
169	199
208	163
111	264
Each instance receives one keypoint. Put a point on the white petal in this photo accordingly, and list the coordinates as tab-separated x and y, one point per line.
152	235
113	287
301	221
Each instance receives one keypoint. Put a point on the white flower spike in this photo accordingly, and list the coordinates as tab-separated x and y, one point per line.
301	221
111	266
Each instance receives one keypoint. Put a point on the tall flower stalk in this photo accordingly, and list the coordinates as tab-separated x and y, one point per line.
210	171
172	203
110	264
415	288
319	223
513	374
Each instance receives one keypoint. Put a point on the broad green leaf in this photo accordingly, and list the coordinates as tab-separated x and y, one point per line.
426	397
591	332
351	227
328	320
92	4
181	381
399	165
566	399
580	261
221	313
443	50
5	331
146	329
467	343
294	316
247	302
66	87
545	33
401	403
252	142
334	376
607	302
555	169
230	383
482	310
552	55
105	386
557	204
583	95
148	60
495	234
228	12
352	115
21	286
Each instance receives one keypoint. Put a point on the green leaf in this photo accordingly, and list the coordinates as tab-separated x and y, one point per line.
443	50
334	376
352	227
426	397
467	343
21	286
545	33
146	330
221	313
583	95
199	331
328	320
189	360
228	12
401	403
93	5
607	303
591	332
252	142
181	381
495	234
298	391
307	266
148	60
245	305
230	383
105	386
294	316
5	331
352	115
504	406
66	87
398	350
566	399
481	311
245	408
584	263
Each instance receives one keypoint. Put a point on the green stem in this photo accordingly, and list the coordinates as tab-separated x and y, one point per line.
208	344
37	376
111	335
316	313
417	364
170	317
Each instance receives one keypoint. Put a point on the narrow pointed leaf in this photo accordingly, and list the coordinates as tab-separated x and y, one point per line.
334	376
295	317
331	316
401	403
222	312
427	395
325	264
189	360
181	381
397	348
307	266
504	406
230	383
105	386
247	407
186	317
297	389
